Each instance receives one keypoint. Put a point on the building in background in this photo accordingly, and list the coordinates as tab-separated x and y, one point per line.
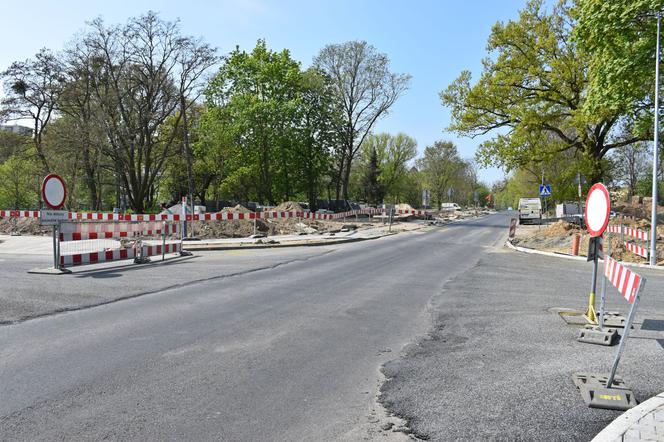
17	129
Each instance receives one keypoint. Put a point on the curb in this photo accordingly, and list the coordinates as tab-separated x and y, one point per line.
251	246
623	423
509	244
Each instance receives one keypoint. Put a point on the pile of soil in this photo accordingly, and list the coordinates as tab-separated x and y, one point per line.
289	206
237	209
403	207
24	226
560	228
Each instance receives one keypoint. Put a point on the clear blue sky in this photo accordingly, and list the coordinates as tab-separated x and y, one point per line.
431	40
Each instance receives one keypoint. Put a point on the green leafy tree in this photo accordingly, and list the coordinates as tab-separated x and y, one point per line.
17	183
394	154
373	189
531	96
365	90
619	38
444	173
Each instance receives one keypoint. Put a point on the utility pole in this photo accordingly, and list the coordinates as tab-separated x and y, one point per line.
655	149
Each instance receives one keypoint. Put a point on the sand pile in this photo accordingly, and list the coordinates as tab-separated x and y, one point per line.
403	206
24	226
560	228
289	206
236	209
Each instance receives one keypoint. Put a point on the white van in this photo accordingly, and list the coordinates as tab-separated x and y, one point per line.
529	209
450	206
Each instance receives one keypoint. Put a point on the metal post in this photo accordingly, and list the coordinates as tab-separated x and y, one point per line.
655	149
55	248
628	325
58	242
607	254
590	313
163	241
254	223
391	214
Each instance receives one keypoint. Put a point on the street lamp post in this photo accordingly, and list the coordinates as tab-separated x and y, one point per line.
653	220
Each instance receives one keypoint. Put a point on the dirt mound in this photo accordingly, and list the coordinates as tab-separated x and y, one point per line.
403	207
24	226
560	228
237	209
289	206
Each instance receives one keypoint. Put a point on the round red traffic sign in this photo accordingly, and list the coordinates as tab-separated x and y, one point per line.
598	207
54	191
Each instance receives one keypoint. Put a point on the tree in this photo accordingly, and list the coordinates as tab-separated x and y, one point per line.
394	154
531	95
194	58
17	188
32	89
373	190
444	172
630	165
365	89
317	117
619	39
137	88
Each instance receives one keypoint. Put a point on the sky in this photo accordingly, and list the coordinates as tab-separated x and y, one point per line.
433	41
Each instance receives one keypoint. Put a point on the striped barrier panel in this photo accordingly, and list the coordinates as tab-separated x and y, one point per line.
89	231
154	250
219	216
626	281
636	233
637	249
613	229
117	254
95	257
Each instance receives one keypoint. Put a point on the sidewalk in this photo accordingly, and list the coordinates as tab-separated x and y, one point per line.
644	422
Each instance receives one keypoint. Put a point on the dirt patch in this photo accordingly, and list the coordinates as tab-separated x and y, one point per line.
24	226
236	209
289	206
557	238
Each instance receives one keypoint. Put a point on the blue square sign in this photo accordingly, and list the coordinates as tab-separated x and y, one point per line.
545	190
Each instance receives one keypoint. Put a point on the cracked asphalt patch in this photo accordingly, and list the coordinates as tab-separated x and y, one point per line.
497	364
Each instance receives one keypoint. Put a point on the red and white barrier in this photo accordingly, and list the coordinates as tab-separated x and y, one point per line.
636	249
626	281
636	233
87	231
154	250
613	229
95	257
220	216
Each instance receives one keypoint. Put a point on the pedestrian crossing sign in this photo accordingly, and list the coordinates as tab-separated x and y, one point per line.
545	190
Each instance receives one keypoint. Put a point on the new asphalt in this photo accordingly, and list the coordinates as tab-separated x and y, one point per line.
289	344
282	345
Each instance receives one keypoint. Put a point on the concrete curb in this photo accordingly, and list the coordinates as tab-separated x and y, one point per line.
623	423
193	246
509	244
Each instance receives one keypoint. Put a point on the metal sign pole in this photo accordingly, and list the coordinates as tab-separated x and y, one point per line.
603	297
590	313
628	325
55	248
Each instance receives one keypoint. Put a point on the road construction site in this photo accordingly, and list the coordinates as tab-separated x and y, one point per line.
438	333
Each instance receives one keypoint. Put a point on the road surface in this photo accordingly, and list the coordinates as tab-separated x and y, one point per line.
291	351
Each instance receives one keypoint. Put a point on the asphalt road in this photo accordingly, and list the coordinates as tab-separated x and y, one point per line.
497	363
284	347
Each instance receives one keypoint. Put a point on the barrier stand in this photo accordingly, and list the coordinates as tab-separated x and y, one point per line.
596	334
600	390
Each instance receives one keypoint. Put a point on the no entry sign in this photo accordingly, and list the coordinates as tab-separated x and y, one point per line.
598	207
54	191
